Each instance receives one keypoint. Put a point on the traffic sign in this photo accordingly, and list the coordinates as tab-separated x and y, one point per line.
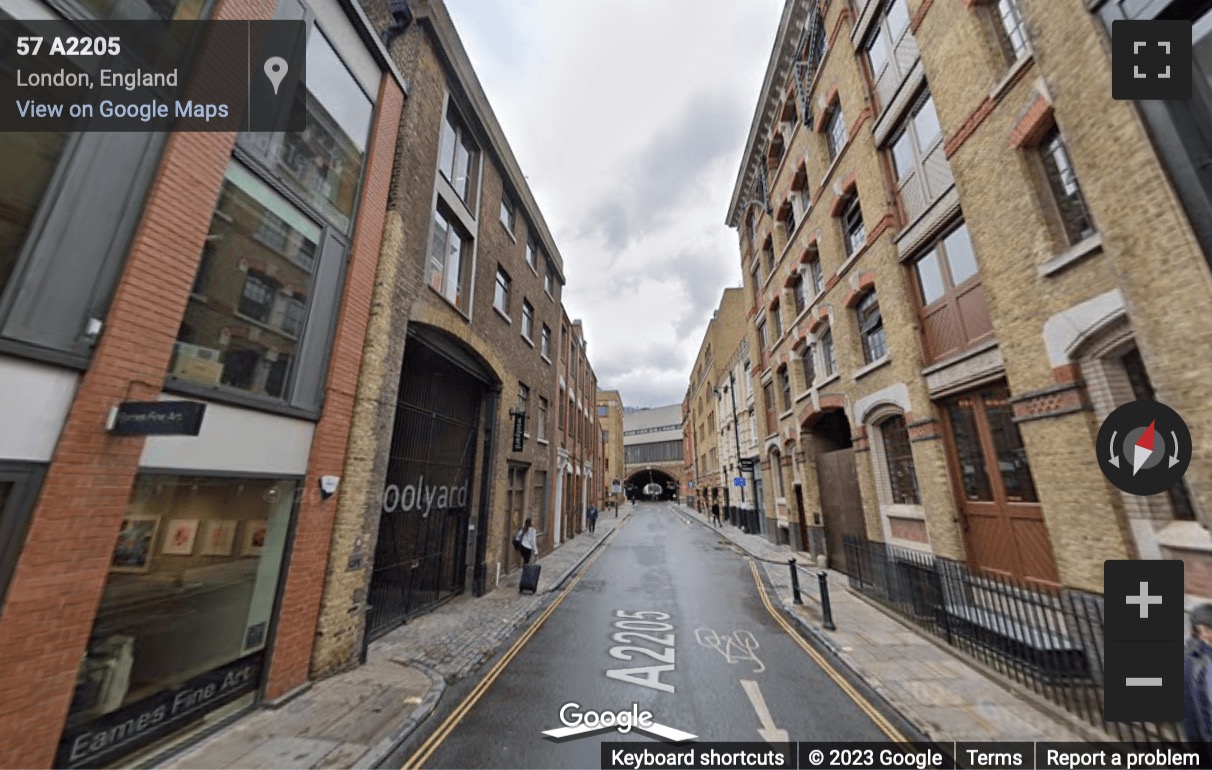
738	482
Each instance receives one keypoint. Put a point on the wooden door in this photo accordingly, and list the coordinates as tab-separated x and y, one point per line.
841	503
1003	522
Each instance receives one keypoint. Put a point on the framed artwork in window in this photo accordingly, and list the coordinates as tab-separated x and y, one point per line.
133	549
218	537
180	537
255	533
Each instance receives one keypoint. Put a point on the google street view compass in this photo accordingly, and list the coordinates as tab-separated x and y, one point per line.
1144	447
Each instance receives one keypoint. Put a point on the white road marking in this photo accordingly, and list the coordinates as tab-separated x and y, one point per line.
739	645
768	731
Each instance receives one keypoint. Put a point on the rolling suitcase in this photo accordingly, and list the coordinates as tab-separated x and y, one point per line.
530	578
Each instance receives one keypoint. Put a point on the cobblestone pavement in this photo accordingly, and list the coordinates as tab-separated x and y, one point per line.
946	696
357	718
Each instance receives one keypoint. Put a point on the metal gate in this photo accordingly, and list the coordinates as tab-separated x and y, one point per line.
841	503
420	555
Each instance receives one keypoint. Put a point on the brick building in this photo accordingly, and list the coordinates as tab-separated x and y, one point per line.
157	584
578	443
455	433
610	421
702	419
652	452
951	285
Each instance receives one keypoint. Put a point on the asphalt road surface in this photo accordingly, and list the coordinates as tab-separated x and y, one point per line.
668	618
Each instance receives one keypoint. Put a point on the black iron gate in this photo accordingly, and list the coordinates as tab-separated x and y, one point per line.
420	555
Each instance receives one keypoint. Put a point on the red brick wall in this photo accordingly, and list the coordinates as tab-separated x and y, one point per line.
65	562
313	533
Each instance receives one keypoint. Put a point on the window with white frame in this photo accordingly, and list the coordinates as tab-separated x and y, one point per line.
500	297
549	281
545	342
1074	215
785	387
854	232
532	256
828	355
798	292
816	275
763	341
776	314
450	261
542	427
523	396
871	328
507	212
808	361
527	320
1011	30
835	131
457	157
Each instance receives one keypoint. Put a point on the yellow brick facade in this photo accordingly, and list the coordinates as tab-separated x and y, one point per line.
1067	311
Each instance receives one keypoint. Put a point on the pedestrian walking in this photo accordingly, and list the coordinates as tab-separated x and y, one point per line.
592	518
527	542
715	513
1197	666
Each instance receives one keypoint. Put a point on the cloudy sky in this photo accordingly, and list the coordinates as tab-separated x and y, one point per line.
629	119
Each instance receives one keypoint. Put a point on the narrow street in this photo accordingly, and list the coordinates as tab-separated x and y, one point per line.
725	671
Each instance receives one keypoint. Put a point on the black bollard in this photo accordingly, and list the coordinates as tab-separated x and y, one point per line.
795	582
826	610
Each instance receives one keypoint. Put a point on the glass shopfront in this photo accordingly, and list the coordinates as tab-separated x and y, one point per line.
180	636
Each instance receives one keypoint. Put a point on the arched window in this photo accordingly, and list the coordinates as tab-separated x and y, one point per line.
898	457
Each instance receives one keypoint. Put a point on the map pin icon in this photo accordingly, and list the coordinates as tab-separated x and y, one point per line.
275	70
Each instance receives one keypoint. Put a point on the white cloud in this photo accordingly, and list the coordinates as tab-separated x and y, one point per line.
629	119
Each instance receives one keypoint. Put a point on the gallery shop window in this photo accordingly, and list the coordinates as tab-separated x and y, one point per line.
193	583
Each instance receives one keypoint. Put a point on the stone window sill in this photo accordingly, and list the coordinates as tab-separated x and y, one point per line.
1076	253
871	367
501	313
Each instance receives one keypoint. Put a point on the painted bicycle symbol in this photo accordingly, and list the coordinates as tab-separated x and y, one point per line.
739	645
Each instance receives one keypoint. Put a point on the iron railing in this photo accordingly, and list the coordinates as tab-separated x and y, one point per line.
1048	640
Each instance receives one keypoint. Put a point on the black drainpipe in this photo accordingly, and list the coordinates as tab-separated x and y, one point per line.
480	575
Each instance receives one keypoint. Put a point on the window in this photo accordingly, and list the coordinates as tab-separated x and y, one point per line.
902	477
871	328
545	342
1075	217
1012	33
242	328
809	363
920	135
877	52
532	256
772	425
560	414
549	281
507	216
789	221
540	496
500	297
835	131
777	315
523	397
785	386
854	233
817	275
136	656
954	314
797	291
527	320
763	342
323	163
603	410
828	358
457	157
450	261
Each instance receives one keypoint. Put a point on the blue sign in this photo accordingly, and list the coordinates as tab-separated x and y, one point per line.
738	482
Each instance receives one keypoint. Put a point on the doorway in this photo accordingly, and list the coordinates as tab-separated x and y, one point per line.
1002	519
837	480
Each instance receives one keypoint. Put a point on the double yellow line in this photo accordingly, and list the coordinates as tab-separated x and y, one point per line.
875	716
431	744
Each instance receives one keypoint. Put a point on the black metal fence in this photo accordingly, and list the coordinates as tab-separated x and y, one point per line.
1047	640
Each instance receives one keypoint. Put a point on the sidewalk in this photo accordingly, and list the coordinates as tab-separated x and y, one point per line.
941	693
356	719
